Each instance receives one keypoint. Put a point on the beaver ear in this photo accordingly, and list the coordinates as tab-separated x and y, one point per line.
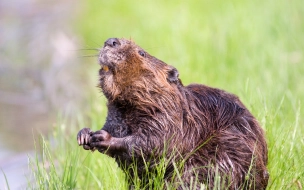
173	75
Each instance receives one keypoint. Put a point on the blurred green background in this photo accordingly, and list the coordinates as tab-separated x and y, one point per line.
254	49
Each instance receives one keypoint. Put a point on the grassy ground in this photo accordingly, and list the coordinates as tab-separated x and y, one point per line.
254	49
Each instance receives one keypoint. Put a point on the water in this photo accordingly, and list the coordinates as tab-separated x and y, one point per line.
39	75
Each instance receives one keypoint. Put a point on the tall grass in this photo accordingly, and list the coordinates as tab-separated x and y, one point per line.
254	49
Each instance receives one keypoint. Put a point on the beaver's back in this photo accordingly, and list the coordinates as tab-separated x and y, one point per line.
234	144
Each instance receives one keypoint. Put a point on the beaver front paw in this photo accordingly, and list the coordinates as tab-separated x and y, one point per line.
101	140
84	138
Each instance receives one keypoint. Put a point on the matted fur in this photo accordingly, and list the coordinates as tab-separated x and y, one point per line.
149	108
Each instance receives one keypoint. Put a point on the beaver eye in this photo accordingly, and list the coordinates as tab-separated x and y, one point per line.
142	53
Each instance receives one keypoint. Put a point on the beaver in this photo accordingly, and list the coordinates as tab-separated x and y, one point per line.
150	112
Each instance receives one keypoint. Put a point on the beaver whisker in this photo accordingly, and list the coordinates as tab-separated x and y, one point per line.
96	55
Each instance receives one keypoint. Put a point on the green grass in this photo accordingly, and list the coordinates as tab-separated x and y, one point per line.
254	49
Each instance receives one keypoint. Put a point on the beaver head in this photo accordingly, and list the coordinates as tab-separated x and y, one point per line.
127	71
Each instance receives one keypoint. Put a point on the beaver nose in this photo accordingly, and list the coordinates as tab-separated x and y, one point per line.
112	42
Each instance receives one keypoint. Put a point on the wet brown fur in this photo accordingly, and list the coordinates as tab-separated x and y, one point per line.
209	128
